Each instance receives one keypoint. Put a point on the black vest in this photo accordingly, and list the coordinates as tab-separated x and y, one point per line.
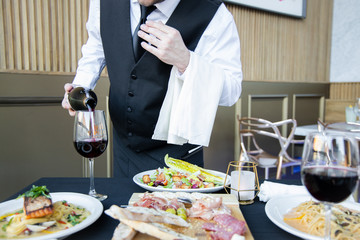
137	90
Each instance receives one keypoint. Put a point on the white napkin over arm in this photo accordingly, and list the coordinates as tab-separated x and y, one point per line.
189	108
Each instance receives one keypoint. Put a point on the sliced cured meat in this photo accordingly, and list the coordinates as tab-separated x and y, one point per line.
207	208
159	203
224	227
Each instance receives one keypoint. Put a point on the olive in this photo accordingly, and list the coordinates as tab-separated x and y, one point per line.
171	210
181	212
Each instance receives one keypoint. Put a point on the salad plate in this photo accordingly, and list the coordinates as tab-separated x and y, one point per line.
138	180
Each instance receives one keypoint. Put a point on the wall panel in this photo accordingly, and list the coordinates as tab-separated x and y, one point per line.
42	35
285	49
47	35
341	96
345	91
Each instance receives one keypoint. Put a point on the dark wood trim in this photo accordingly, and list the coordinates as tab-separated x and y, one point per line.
30	101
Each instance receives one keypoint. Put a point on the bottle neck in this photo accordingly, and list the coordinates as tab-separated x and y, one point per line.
90	103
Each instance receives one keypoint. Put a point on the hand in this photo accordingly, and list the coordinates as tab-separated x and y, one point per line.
165	43
65	103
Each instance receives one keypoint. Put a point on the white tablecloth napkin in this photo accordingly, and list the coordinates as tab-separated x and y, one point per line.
189	108
269	190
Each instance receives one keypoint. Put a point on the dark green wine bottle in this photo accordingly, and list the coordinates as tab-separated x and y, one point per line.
81	99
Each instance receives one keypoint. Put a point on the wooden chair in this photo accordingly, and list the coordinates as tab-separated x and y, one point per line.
251	130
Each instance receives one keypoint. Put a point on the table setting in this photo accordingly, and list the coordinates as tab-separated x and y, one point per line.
260	225
104	226
147	206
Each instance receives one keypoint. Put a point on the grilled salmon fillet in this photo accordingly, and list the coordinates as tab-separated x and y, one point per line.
37	207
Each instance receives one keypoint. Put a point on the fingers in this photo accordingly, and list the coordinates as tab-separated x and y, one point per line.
150	39
165	43
158	36
157	29
72	112
65	103
68	87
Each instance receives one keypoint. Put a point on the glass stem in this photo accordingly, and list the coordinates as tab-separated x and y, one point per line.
327	221
92	191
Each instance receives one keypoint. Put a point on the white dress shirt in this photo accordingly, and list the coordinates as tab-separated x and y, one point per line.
213	76
219	46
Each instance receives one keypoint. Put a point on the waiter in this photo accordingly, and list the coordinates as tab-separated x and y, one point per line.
147	44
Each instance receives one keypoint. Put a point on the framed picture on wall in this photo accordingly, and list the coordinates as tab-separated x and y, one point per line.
294	8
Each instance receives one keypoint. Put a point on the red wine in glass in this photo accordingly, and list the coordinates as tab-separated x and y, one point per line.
90	140
330	184
91	148
329	169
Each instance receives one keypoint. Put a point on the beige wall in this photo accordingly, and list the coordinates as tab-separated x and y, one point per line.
46	36
285	49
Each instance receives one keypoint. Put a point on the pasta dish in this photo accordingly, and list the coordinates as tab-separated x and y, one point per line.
309	217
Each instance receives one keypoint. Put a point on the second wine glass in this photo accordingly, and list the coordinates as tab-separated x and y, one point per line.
357	109
329	169
90	141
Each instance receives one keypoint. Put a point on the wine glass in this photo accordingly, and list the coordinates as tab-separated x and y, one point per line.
329	169
357	108
90	141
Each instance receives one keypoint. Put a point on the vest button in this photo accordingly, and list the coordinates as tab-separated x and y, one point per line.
131	94
129	122
133	76
130	134
129	109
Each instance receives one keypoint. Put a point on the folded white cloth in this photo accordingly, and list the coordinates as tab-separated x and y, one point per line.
269	190
189	108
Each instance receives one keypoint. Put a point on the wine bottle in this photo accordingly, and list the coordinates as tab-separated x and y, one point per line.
82	99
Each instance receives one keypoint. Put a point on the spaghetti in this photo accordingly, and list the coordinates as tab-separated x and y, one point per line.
65	215
309	217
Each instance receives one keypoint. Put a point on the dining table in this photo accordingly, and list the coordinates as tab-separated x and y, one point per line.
352	128
119	191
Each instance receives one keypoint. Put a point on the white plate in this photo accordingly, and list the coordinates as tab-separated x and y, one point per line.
139	176
91	204
277	207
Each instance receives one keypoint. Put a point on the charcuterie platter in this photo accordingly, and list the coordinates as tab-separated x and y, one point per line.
200	225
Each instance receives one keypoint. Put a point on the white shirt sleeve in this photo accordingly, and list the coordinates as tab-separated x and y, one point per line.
220	47
92	61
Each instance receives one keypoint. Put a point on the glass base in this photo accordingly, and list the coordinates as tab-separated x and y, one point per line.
246	202
98	196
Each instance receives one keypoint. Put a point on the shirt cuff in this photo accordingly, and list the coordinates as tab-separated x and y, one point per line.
182	76
85	80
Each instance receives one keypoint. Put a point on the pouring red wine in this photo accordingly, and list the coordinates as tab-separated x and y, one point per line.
90	130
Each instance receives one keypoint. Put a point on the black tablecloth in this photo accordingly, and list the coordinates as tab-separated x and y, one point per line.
119	191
